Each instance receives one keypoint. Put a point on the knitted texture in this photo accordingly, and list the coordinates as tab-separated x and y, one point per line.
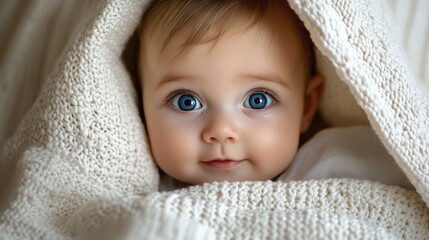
355	37
78	166
326	209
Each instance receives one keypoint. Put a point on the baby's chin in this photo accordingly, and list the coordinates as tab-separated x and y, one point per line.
221	172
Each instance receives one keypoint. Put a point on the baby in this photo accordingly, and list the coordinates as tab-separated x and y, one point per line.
228	87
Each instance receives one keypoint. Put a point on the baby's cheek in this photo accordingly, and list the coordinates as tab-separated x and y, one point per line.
172	148
274	148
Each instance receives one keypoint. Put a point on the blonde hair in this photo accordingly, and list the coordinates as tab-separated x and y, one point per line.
165	18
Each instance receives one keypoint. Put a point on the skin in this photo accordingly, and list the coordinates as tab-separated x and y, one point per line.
226	139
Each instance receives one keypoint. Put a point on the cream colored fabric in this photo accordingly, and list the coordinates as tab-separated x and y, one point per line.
410	21
78	165
333	209
33	35
345	152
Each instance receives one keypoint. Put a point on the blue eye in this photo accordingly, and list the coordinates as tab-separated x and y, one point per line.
185	102
258	100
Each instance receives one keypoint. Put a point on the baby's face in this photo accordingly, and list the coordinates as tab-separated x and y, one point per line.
227	110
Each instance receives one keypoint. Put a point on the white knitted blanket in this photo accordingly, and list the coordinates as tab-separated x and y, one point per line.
78	165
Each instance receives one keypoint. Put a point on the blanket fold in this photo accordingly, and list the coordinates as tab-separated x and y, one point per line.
79	166
333	209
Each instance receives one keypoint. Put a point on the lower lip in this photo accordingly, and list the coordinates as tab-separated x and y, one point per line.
223	164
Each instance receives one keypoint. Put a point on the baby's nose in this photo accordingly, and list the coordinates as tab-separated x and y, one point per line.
221	129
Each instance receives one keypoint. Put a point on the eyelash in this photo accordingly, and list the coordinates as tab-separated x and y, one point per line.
172	95
266	91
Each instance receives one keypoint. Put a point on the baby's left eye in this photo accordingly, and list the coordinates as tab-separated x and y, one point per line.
258	100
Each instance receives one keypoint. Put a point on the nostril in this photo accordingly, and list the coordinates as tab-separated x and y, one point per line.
230	139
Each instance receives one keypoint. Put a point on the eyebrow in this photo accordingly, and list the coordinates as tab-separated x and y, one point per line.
267	77
173	78
260	77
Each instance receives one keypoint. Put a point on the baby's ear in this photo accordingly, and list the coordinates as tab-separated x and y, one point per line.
313	95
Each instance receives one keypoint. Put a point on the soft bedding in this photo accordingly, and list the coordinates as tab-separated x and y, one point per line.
78	164
345	152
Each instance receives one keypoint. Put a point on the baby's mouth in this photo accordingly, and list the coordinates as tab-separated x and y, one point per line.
222	164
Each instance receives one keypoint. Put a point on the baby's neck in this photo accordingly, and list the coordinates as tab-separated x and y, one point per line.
168	183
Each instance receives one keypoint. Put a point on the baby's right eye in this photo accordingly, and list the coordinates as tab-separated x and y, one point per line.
185	102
